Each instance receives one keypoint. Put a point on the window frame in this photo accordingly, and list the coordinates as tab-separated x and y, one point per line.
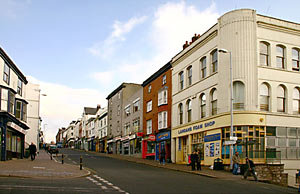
181	80
214	61
214	102
164	79
265	55
296	60
280	57
202	106
20	87
189	71
149	108
264	107
149	126
189	110
203	63
281	98
6	73
162	120
180	110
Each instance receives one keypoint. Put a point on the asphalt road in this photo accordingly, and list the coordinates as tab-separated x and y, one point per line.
117	176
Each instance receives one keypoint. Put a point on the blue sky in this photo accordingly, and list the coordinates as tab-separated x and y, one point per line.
81	50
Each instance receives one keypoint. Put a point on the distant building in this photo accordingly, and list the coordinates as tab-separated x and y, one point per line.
13	106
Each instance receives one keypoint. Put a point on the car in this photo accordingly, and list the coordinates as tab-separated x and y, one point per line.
52	149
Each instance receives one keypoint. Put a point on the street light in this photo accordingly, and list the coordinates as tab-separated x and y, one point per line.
231	104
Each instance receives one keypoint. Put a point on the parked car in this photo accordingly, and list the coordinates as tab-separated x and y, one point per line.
52	149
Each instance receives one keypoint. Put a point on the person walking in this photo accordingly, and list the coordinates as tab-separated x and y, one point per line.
32	150
250	168
193	159
236	163
198	161
162	157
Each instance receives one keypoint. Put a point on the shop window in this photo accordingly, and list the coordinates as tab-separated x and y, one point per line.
264	54
238	95
292	132
264	97
271	131
8	141
291	153
281	131
282	142
292	142
271	142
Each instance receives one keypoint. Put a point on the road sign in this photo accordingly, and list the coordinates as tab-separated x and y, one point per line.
233	138
230	142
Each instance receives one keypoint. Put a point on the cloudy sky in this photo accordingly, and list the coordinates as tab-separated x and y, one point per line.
81	50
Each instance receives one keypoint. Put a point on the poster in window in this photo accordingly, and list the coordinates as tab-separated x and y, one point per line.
212	149
207	149
179	144
217	149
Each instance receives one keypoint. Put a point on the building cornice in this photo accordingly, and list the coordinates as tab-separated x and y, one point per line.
278	28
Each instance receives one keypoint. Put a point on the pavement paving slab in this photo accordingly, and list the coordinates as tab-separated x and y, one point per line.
41	167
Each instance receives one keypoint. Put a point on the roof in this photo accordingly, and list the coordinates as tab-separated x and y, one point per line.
12	65
90	111
157	74
123	85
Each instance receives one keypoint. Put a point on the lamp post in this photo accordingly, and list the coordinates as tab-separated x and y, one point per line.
231	105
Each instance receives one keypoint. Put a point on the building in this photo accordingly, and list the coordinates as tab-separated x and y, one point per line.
264	54
101	130
70	136
77	134
88	113
157	104
132	123
115	115
33	115
13	114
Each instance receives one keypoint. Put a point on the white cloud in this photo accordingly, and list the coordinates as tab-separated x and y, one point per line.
106	48
64	104
102	77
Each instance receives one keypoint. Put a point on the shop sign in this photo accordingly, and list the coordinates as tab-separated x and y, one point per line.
132	137
230	142
163	136
196	127
140	134
16	127
213	137
151	137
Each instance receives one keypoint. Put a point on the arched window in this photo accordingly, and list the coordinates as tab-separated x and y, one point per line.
203	67
264	54
238	95
280	58
189	75
180	110
189	110
281	99
214	61
295	59
296	101
181	80
214	101
264	97
202	105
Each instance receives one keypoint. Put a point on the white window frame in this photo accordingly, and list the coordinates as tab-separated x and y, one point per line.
164	80
162	120
149	126
163	97
149	106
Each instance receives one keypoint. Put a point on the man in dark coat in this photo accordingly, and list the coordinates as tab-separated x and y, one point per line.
193	160
250	169
162	156
32	150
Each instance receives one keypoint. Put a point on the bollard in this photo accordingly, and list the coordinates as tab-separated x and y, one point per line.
80	162
62	159
51	156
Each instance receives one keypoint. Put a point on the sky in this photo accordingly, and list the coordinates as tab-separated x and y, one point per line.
79	51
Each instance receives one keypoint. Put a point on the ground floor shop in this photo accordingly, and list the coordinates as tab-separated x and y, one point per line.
131	145
12	137
163	142
148	147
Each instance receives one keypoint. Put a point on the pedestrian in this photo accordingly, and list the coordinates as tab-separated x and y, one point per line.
193	159
236	163
32	150
198	160
250	169
299	181
162	156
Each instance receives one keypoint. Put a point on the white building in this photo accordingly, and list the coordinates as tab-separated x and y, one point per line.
266	93
33	114
101	129
70	136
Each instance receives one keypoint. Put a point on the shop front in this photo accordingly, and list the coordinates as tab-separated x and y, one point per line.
163	141
149	145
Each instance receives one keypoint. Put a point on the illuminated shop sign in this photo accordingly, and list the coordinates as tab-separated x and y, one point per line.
163	136
213	137
196	127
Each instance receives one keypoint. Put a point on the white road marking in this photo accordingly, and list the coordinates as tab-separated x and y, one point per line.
115	187
99	184
103	187
110	184
74	162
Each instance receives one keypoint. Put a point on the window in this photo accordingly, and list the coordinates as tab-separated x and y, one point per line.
20	86
162	97
149	126
281	99
11	97
181	80
24	110
127	110
295	59
136	125
136	105
264	53
164	80
202	105
21	110
238	95
189	110
6	73
162	120
149	88
189	75
280	57
119	109
119	95
149	106
203	67
214	102
214	61
264	97
127	129
18	109
296	101
180	110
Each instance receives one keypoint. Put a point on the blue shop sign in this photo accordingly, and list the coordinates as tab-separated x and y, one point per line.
163	136
213	137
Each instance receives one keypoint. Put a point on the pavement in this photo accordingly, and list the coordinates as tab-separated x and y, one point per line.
41	167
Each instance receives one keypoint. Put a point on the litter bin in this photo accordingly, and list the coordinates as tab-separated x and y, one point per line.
218	164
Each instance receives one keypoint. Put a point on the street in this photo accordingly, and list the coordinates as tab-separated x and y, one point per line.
109	175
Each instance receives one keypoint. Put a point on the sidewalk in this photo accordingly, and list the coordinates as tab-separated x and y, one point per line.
41	167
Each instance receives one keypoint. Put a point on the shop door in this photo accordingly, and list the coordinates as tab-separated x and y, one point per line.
184	149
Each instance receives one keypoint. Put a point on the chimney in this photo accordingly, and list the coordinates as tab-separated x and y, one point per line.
98	106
